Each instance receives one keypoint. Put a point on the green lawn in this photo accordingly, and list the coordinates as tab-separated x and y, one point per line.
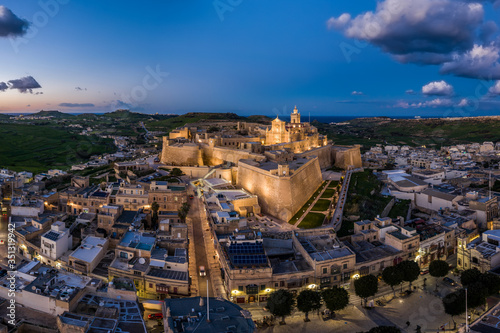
329	192
333	184
399	209
321	205
37	148
299	213
312	220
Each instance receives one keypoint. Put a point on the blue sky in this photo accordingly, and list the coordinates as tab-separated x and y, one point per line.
248	57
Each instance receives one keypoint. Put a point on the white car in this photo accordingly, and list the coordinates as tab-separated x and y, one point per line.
202	271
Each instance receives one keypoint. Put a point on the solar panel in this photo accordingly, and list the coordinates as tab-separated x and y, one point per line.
248	248
52	235
248	260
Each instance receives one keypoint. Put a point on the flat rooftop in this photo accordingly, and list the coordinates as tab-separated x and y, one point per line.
138	240
89	249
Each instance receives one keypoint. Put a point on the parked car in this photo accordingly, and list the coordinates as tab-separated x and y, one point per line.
449	281
155	316
424	272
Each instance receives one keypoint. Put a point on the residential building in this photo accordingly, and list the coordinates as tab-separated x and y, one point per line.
85	258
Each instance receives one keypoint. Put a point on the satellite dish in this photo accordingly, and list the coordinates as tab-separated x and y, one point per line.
142	261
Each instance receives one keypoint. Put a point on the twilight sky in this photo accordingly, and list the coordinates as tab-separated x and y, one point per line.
334	58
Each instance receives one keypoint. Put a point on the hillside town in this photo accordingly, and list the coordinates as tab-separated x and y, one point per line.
230	214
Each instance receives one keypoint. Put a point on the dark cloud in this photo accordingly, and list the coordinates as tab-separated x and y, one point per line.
10	24
479	62
3	86
76	105
119	104
80	89
450	33
24	84
424	31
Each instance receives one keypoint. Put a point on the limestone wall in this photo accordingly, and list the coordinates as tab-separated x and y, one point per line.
281	196
324	154
191	154
347	155
219	155
180	154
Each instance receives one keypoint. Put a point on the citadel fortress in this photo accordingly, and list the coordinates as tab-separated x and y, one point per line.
280	163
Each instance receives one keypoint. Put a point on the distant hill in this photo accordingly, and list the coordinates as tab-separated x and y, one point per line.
259	119
52	113
127	114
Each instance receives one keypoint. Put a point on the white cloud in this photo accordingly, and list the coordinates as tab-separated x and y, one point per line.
340	22
463	102
438	88
495	89
437	102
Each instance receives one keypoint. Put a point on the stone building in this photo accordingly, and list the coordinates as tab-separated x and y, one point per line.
170	196
284	187
482	253
254	266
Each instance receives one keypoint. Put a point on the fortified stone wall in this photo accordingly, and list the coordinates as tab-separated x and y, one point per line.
347	155
324	154
181	154
281	196
219	155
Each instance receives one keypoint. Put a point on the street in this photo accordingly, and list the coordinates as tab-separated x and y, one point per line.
199	247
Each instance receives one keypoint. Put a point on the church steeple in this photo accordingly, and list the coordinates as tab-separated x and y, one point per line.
295	116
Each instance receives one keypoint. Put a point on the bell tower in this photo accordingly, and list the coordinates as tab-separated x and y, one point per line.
295	116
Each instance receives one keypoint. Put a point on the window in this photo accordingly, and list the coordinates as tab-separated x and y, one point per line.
262	287
252	289
150	285
276	285
137	273
240	288
325	280
344	266
282	283
325	270
459	262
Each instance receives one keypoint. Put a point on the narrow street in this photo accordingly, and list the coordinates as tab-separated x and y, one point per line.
199	247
